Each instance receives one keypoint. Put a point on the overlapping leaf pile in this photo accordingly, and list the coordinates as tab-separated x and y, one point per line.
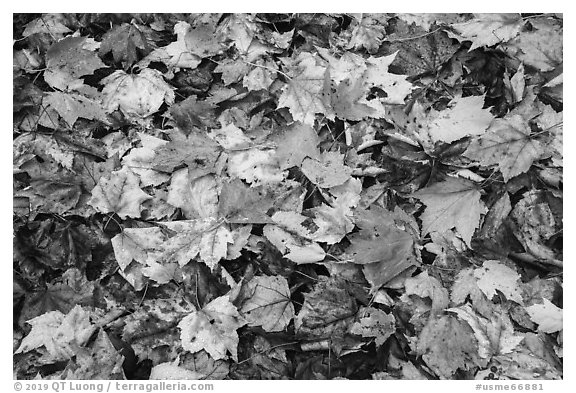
275	196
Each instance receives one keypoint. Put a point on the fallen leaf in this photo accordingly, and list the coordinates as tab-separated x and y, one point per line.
453	203
539	47
60	334
267	303
213	329
495	336
507	144
72	106
488	29
547	316
198	198
137	96
374	323
466	117
125	41
198	152
368	31
424	286
120	194
141	160
328	310
494	275
447	344
328	171
295	144
305	92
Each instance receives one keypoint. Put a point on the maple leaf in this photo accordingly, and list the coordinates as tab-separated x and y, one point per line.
198	198
295	247
540	47
202	40
379	239
453	203
466	117
198	152
367	32
213	329
374	323
231	137
346	101
69	59
241	204
120	194
424	286
395	87
420	53
266	303
494	275
191	114
48	24
124	41
101	360
328	171
328	310
140	160
132	244
488	29
60	334
262	77
466	285
305	93
508	144
295	144
495	335
333	223
547	315
137	96
255	166
447	344
175	54
72	106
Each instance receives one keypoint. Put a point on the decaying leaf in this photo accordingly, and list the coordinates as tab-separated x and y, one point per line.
374	323
447	344
328	311
507	144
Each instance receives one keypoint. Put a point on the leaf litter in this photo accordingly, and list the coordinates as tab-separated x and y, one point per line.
288	196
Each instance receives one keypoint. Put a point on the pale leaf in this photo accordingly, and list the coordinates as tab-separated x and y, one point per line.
120	194
453	203
547	316
267	303
507	144
494	275
213	329
488	29
465	117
